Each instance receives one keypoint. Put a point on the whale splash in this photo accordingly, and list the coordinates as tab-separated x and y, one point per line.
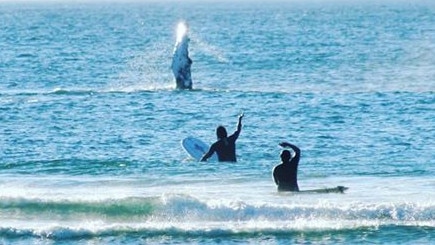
181	62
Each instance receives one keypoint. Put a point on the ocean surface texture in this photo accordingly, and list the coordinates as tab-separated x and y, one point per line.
91	122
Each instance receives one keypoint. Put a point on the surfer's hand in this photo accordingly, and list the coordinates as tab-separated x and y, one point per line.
284	144
241	116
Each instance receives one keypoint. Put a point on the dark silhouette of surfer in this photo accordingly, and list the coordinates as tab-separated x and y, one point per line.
225	147
285	174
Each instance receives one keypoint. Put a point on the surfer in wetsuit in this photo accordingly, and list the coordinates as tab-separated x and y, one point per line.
225	147
285	174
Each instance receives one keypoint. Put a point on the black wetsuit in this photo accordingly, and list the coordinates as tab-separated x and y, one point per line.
226	148
286	175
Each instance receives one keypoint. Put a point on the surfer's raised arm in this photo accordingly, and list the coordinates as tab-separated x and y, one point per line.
239	123
294	148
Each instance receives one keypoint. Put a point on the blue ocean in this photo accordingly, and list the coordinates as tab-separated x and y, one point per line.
91	123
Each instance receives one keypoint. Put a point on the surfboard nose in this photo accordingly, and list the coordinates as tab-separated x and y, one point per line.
342	188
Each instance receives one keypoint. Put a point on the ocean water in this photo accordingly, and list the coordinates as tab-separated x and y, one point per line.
90	122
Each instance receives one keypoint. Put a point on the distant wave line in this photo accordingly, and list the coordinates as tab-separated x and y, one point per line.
138	89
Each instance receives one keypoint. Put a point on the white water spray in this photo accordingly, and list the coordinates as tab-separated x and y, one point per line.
181	62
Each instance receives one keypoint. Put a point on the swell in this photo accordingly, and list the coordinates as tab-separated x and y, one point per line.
70	167
73	209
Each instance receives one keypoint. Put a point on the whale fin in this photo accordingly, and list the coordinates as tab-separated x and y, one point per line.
181	62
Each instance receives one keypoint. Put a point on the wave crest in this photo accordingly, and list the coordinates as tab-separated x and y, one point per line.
185	208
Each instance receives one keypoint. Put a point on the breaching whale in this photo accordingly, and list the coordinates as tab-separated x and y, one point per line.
181	62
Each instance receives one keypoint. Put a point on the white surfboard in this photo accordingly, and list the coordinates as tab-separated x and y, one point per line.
196	148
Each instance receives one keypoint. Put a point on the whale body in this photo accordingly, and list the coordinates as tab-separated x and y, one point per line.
181	62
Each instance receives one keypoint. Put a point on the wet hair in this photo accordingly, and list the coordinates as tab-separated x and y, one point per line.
221	132
285	155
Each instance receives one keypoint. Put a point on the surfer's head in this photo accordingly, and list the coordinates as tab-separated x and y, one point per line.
221	132
285	155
